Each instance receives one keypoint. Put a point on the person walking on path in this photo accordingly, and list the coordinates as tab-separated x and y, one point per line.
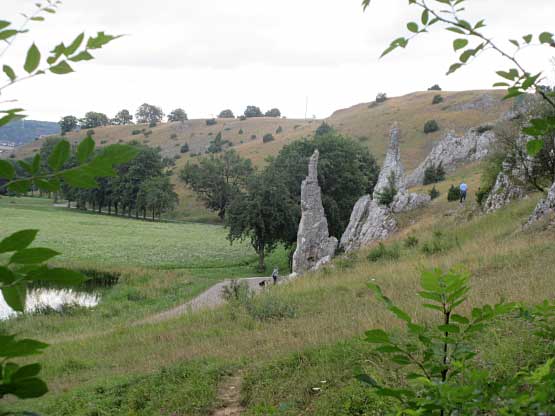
463	188
275	275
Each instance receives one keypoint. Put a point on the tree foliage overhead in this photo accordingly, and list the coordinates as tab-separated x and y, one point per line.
148	113
217	178
346	171
177	115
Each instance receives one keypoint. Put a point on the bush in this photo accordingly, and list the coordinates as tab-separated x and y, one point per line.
490	170
184	148
411	241
270	307
431	126
253	137
152	124
103	141
279	130
435	87
323	129
226	114
387	195
274	112
454	194
381	252
135	132
439	244
90	132
211	122
483	128
243	118
434	193
437	99
434	174
381	97
241	131
173	136
268	138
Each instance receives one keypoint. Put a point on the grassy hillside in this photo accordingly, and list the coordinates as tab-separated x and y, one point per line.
369	123
301	334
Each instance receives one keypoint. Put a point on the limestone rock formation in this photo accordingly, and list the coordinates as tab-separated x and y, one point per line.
407	201
453	150
544	208
314	245
508	187
392	165
369	222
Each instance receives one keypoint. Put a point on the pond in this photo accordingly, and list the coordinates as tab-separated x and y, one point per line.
42	299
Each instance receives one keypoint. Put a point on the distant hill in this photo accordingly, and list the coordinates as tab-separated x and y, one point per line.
367	123
25	131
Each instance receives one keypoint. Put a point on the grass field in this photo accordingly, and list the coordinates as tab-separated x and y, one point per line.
98	365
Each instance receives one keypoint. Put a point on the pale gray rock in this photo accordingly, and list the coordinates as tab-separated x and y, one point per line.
408	201
392	165
544	208
314	245
509	186
454	150
369	222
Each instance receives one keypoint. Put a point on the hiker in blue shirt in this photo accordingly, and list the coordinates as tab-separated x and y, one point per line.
463	188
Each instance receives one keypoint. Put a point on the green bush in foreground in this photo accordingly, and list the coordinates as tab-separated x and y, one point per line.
440	362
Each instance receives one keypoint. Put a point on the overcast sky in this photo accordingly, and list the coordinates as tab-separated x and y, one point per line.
207	55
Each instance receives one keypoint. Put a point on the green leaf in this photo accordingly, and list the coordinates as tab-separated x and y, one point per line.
33	59
8	118
454	68
515	42
27	371
511	75
501	84
18	241
36	164
546	37
459	44
28	388
7	171
527	38
366	379
6	275
400	359
425	17
82	56
117	154
33	255
80	178
100	40
413	27
47	185
20	186
61	68
449	328
431	306
85	149
4	24
15	296
460	319
9	72
37	19
57	275
387	349
70	50
59	155
456	30
534	147
400	314
6	34
377	336
10	348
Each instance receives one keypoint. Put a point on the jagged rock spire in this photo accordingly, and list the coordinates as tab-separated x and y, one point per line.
314	245
392	164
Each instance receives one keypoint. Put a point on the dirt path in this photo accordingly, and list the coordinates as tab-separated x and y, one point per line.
229	394
209	299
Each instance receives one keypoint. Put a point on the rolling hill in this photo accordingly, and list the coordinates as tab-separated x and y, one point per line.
21	132
368	123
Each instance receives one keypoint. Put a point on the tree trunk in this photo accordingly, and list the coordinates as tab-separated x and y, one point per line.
261	262
69	203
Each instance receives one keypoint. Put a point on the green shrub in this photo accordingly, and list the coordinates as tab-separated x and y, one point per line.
382	252
211	122
434	193
103	141
439	243
135	132
437	99
279	130
241	131
173	136
454	194
270	307
268	138
483	128
411	241
253	137
152	124
381	97
90	132
242	118
431	126
434	87
434	174
491	169
387	195
184	148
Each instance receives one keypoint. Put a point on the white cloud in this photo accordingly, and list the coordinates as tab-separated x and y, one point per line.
205	55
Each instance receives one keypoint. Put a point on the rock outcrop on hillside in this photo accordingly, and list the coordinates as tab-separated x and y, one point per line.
369	222
453	150
545	208
392	165
508	187
314	245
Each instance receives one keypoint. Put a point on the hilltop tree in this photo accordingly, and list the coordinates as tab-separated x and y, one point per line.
122	118
68	123
381	97
262	213
435	87
274	112
148	113
253	111
177	115
226	114
93	119
217	178
346	171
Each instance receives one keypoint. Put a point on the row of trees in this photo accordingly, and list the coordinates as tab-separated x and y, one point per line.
263	205
145	114
140	187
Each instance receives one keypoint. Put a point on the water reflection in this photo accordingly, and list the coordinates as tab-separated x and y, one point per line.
56	299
